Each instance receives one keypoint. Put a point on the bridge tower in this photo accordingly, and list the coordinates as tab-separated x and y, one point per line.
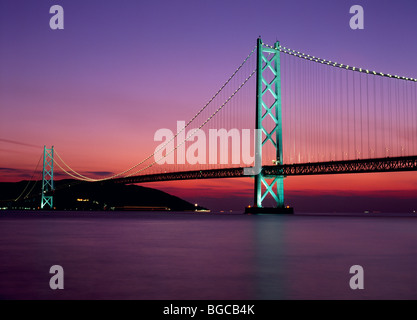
47	178
268	107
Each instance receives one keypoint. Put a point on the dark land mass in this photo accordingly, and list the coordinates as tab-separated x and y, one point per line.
75	195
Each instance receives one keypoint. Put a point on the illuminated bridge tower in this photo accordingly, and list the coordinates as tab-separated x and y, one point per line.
47	178
269	129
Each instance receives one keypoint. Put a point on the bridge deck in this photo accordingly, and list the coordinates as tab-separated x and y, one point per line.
408	163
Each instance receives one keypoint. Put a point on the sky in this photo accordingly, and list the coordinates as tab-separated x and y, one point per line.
100	88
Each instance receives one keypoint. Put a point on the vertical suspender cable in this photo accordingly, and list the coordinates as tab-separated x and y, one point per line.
397	142
329	114
290	108
355	149
295	113
383	124
310	111
300	112
342	108
304	111
405	113
325	122
391	109
335	109
367	115
361	117
347	114
413	96
375	119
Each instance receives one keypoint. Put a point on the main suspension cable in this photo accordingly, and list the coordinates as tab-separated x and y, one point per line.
79	176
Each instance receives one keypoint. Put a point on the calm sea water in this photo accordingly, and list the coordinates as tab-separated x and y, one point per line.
150	255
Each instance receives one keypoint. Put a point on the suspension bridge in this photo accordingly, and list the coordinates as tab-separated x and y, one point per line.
305	116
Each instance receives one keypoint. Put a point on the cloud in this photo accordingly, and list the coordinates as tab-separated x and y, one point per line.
9	170
61	174
100	173
17	173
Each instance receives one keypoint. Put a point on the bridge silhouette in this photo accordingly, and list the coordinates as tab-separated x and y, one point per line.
309	116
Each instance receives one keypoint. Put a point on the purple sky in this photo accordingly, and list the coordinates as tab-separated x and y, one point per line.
120	70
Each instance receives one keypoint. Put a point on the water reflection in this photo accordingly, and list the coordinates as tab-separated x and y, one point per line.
205	256
269	257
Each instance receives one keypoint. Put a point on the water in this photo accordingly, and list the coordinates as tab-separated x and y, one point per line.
150	255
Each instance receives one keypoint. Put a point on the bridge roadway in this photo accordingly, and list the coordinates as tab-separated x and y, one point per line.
407	163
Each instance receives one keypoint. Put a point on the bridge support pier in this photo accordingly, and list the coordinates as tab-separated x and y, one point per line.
269	210
269	125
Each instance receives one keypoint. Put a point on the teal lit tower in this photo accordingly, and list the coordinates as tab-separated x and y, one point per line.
47	178
269	125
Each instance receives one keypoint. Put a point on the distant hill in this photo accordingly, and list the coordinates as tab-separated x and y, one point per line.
75	195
